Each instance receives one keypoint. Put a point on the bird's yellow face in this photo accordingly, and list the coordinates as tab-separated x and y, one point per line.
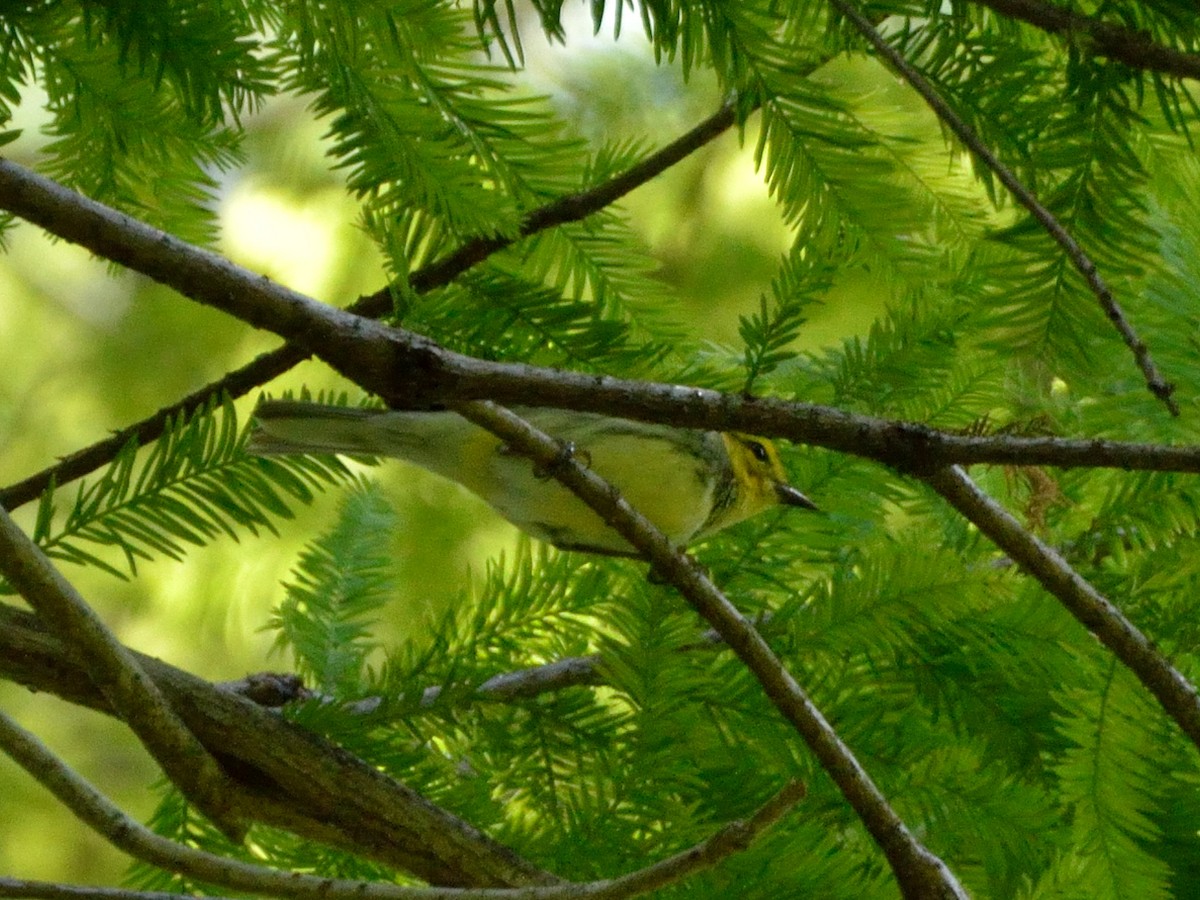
760	477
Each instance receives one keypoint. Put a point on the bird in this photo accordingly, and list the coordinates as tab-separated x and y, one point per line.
690	483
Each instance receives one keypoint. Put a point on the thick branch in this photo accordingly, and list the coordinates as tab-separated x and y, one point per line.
93	808
919	872
1132	48
297	780
1094	611
1079	258
117	675
274	363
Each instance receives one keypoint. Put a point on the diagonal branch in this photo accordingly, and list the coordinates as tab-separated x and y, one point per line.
1158	386
918	871
1095	612
116	673
139	842
263	368
1131	48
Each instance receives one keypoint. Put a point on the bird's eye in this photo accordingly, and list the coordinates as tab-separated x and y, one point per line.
759	451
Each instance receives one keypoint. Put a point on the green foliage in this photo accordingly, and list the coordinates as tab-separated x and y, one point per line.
1112	792
912	289
768	336
195	484
434	143
340	583
140	98
492	313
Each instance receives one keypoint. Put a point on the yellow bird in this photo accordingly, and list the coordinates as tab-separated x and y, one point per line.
689	483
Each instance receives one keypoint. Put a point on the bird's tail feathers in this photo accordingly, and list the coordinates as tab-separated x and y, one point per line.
296	426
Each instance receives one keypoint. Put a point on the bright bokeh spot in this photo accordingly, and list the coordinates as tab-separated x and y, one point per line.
293	243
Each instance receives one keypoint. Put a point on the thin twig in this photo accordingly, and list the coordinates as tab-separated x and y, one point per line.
117	674
918	871
125	833
26	889
531	682
572	671
732	838
568	672
88	459
572	208
1095	612
1131	48
274	363
1079	258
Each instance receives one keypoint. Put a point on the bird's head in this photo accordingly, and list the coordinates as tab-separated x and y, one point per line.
761	480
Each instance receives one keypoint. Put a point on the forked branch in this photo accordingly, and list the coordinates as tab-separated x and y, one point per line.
139	842
117	675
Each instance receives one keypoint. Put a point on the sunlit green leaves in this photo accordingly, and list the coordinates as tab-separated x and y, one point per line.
195	484
1109	777
142	100
339	585
431	139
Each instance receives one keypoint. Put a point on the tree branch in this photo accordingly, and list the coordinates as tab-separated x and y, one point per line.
732	838
263	368
296	780
91	807
1158	386
47	890
1131	48
568	672
918	871
555	676
407	369
116	673
272	690
1094	611
139	842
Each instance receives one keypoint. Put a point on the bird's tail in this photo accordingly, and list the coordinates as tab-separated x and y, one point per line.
296	426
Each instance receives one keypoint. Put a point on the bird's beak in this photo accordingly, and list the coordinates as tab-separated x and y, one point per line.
789	496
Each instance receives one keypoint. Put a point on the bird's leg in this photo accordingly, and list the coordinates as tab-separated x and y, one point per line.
567	451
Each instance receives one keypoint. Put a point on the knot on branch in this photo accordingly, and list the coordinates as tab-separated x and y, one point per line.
910	449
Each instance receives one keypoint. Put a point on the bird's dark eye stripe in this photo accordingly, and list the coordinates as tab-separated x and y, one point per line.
759	451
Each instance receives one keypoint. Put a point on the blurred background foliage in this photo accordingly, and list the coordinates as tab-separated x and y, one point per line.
915	316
